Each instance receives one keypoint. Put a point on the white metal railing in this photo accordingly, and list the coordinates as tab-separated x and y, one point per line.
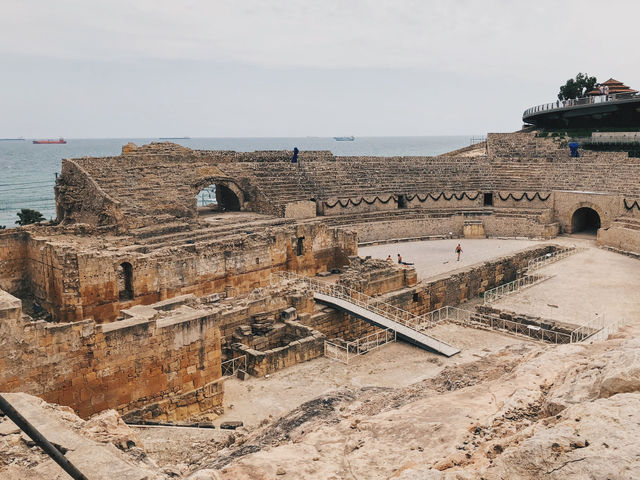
231	367
360	299
552	257
596	329
468	318
418	323
344	351
511	287
588	329
560	104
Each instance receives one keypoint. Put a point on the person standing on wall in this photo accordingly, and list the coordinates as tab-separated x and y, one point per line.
458	251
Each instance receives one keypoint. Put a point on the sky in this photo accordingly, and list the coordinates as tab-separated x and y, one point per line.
246	68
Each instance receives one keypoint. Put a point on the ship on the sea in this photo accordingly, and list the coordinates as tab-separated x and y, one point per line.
344	139
47	142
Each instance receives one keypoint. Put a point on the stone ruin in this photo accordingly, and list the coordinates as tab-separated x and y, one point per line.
144	295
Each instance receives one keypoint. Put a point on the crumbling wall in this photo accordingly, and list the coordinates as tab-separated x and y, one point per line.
150	369
13	261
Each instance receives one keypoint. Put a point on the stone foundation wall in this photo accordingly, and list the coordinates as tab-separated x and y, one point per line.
263	362
147	369
336	324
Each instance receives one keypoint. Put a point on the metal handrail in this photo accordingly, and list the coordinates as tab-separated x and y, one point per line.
511	287
552	257
231	367
591	100
371	304
345	352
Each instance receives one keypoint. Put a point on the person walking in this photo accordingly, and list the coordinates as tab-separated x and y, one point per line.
458	251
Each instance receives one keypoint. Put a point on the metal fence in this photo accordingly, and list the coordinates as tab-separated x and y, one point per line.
511	287
560	104
552	257
344	351
595	329
231	367
468	318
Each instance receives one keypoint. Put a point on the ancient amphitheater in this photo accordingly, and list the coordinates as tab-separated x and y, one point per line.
272	313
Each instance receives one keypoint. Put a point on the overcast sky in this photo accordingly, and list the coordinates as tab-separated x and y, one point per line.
148	68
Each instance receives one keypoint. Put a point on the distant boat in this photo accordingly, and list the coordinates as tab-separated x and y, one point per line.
344	139
174	138
12	139
47	142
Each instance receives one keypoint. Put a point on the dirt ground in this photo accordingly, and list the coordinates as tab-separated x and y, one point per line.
589	283
435	257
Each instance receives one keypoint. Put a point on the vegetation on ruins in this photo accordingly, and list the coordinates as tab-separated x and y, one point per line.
27	217
578	87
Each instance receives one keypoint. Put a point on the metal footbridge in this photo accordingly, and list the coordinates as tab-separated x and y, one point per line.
407	326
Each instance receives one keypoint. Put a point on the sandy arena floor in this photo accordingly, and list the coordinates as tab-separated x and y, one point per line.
592	282
436	257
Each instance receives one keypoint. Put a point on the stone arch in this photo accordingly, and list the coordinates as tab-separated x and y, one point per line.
228	195
586	217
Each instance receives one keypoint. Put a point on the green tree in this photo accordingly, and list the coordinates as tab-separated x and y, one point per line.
578	87
2	227
27	217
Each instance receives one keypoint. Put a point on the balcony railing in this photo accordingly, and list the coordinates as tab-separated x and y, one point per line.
592	100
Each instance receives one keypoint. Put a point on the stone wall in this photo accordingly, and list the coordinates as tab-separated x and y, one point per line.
13	261
73	281
308	345
459	287
162	369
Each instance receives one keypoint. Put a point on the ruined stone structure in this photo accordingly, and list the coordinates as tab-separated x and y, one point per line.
125	275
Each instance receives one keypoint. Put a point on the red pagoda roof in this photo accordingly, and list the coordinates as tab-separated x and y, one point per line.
615	86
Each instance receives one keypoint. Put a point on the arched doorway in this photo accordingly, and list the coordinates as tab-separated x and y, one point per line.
218	197
125	281
585	220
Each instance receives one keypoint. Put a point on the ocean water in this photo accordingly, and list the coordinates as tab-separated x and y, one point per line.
27	171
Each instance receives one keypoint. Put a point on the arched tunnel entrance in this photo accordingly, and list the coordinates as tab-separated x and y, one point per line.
585	220
218	197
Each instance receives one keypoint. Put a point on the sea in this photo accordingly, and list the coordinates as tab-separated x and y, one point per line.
28	171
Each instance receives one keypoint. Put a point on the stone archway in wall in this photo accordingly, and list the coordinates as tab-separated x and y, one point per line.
219	195
585	220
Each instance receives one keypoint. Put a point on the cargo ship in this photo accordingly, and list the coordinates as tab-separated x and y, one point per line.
344	139
47	142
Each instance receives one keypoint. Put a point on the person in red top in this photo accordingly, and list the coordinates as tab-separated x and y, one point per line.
458	251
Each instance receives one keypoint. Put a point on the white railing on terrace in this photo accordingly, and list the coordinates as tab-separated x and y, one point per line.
511	287
360	299
343	351
591	100
231	367
552	257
